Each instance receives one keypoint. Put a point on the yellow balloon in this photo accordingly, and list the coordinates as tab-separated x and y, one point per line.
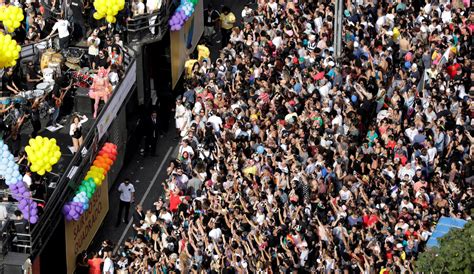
109	18
97	16
41	172
34	168
32	158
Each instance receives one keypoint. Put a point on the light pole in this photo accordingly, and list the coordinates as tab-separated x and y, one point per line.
338	28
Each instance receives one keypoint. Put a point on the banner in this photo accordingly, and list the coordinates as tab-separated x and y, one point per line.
79	234
184	41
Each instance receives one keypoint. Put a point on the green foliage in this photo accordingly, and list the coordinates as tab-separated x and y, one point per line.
454	255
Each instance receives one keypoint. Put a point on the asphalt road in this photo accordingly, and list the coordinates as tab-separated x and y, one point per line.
148	173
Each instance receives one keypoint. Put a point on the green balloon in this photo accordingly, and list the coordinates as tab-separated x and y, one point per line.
89	195
82	188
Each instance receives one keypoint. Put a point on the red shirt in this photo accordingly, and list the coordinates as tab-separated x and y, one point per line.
391	144
370	220
452	70
175	201
94	265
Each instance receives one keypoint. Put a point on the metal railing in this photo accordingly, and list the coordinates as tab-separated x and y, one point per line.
5	238
32	49
139	26
73	176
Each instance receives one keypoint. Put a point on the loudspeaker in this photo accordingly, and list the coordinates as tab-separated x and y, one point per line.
82	101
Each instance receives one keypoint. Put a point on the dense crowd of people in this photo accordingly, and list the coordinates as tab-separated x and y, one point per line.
293	160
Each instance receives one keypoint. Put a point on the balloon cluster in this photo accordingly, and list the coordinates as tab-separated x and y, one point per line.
26	205
42	153
108	9
182	14
9	51
9	170
11	17
94	178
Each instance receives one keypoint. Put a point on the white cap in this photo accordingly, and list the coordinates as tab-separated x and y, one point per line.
356	44
331	64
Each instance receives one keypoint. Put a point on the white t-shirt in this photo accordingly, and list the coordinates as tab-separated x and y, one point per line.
3	212
215	234
126	192
216	122
432	154
61	26
153	5
108	266
94	47
273	6
27	180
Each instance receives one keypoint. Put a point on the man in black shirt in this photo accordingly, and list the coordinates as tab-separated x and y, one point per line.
8	84
153	130
77	8
32	76
100	61
211	17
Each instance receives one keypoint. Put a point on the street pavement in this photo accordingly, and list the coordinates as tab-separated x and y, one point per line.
147	175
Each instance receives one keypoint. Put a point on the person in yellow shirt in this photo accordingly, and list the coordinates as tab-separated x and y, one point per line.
203	52
227	23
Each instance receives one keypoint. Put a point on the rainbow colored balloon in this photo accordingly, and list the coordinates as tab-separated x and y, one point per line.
95	176
10	171
182	14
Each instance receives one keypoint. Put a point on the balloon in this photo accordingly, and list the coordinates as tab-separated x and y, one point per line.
34	219
97	16
109	18
260	149
43	153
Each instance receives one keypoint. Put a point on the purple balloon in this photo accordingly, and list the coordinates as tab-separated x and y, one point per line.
34	212
27	194
34	219
23	202
21	189
66	208
68	218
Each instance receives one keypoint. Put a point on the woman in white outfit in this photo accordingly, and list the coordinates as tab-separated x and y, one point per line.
180	115
75	131
187	117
